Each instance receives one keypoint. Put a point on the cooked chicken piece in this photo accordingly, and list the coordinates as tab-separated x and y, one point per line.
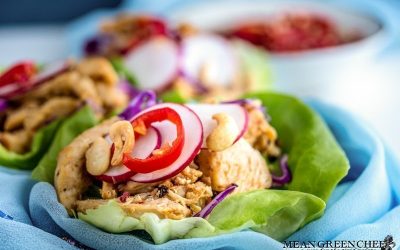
53	109
18	141
163	207
260	134
123	23
108	191
239	164
111	97
83	205
175	203
15	119
71	178
188	176
194	195
99	70
69	83
136	187
176	198
186	30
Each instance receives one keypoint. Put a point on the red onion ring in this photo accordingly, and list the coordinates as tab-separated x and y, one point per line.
286	176
141	101
3	105
217	199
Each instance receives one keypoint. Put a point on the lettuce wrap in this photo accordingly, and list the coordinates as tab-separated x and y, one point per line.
50	105
317	163
68	129
47	142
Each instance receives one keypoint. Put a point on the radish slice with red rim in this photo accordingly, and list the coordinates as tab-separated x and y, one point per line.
206	111
49	72
11	90
167	131
193	130
147	143
154	62
143	148
116	174
209	59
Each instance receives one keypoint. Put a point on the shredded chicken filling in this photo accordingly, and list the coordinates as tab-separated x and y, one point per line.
91	81
183	195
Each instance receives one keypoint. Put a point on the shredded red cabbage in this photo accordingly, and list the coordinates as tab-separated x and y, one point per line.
286	176
239	101
141	101
98	44
159	138
128	89
243	102
217	199
3	105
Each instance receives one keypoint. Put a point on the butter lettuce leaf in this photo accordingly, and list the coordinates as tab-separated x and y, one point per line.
111	218
40	144
316	160
276	213
67	131
172	95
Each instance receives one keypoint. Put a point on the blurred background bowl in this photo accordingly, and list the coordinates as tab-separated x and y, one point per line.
361	77
315	72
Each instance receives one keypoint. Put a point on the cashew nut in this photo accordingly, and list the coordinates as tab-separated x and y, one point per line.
98	157
123	137
224	135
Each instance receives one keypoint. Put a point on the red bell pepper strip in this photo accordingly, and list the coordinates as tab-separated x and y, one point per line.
16	79
167	154
18	73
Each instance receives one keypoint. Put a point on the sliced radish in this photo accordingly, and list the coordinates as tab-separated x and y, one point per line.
11	90
143	148
209	59
146	144
206	111
116	174
167	131
193	130
49	72
154	62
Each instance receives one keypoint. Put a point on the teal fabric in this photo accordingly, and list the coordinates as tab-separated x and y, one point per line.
364	206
